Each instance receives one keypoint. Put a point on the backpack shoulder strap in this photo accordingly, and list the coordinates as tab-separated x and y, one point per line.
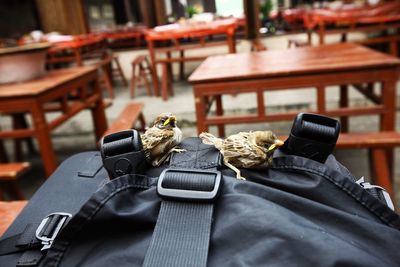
188	189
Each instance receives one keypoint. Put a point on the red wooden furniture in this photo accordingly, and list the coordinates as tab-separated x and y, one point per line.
140	70
77	49
383	17
73	89
8	212
175	32
9	174
318	67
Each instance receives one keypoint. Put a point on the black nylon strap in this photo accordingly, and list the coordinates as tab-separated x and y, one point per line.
182	233
181	236
30	258
20	242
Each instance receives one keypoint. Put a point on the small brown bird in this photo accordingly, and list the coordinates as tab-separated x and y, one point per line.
245	149
161	139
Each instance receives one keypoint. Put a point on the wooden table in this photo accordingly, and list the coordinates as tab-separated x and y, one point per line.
381	18
317	67
338	64
77	49
73	89
175	32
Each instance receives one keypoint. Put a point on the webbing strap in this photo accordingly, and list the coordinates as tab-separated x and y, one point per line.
182	233
181	236
19	242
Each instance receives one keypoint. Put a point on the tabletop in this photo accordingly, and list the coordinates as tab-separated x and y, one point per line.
173	31
51	80
279	63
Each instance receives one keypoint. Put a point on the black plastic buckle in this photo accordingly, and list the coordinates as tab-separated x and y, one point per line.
122	153
48	229
313	136
188	189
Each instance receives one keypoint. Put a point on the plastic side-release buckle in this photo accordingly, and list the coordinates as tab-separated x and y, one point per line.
313	136
189	185
122	153
50	226
377	191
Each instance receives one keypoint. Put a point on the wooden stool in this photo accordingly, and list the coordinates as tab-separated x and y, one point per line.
103	67
140	77
115	70
9	173
297	43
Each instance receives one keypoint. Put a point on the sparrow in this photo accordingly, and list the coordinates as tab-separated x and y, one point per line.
160	140
245	149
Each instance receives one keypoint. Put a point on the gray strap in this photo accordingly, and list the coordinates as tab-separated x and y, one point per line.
182	233
181	236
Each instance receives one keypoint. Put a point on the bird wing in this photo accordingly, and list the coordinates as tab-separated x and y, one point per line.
239	151
156	141
210	139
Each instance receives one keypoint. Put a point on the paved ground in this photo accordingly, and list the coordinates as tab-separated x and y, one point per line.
77	135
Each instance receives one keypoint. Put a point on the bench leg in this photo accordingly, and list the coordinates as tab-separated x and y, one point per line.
344	102
120	72
3	153
133	81
182	66
143	76
381	172
142	122
220	112
165	82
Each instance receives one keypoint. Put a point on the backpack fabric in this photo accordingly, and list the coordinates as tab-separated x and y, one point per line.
298	212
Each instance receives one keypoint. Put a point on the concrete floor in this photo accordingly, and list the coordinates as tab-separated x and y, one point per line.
77	134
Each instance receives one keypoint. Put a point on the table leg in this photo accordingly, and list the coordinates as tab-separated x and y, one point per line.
321	99
344	102
388	119
380	170
78	57
200	105
164	86
230	38
153	66
98	113
220	112
43	136
321	33
181	65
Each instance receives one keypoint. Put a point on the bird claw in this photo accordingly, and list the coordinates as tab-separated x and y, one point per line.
178	150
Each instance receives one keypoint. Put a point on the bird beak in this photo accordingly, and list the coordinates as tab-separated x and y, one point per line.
277	144
169	120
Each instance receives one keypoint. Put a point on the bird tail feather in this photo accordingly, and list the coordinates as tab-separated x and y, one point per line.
210	139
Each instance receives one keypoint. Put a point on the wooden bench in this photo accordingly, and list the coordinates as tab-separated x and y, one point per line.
379	145
9	174
128	118
9	210
140	77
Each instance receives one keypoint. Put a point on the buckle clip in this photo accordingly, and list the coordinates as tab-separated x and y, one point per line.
313	136
122	153
48	230
181	187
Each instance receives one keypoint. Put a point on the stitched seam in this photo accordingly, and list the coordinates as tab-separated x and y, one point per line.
314	171
97	208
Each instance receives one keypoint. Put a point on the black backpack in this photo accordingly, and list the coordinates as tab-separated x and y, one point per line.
305	210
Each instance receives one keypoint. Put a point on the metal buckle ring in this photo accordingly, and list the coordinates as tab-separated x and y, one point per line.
48	241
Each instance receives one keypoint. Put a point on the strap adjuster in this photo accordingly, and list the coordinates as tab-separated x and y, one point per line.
49	228
189	185
377	191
